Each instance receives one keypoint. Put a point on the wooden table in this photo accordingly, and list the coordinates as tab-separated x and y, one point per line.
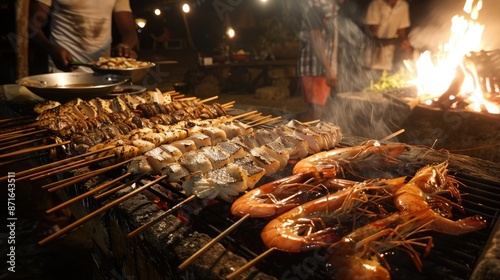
224	71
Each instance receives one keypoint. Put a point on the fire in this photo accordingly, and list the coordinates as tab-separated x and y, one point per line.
435	73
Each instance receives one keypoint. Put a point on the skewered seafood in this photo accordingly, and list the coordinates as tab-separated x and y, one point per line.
194	168
276	197
177	135
257	149
74	122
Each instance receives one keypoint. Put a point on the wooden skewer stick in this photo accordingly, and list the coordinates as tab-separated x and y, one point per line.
392	135
243	115
113	190
98	211
187	98
17	132
19	175
155	220
228	105
258	119
310	122
178	96
15	119
34	149
267	121
16	160
13	137
13	129
250	264
73	165
209	245
251	117
209	99
70	181
54	170
22	143
87	194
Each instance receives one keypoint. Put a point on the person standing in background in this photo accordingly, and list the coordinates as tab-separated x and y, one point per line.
387	23
317	66
82	30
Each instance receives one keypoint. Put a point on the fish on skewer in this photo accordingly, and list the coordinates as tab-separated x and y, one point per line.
196	168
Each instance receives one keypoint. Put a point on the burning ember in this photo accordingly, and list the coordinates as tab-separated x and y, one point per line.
453	77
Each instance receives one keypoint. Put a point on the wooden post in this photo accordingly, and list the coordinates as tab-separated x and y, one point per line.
22	17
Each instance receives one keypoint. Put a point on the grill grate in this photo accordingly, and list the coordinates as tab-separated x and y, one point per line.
453	257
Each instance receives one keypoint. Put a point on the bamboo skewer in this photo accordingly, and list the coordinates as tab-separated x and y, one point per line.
87	194
19	175
267	121
70	181
15	119
17	132
13	137
252	116
209	245
22	143
209	99
15	129
120	187
73	165
243	115
16	160
250	264
34	149
155	220
392	135
257	120
98	211
228	105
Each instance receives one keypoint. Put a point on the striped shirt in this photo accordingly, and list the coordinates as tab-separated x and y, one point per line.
318	15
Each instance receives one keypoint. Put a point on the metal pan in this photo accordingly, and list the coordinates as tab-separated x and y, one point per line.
63	87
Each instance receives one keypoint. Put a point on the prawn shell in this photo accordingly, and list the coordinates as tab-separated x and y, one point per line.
331	159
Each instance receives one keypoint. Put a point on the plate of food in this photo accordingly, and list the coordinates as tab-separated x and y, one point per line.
127	67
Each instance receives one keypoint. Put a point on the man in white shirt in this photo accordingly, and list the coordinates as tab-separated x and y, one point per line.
82	30
387	22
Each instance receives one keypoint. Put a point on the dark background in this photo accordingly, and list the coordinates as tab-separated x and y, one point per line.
431	21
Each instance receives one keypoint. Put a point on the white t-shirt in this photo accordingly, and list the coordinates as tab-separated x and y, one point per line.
83	27
389	20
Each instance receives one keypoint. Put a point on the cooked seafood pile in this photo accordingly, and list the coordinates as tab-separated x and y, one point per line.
355	223
120	63
203	152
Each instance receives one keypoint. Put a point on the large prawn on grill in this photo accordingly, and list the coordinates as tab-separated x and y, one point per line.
359	254
279	196
423	193
323	221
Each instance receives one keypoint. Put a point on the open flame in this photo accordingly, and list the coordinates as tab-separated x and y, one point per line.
437	72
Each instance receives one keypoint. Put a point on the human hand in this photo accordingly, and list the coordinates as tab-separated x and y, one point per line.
405	44
331	80
124	50
61	58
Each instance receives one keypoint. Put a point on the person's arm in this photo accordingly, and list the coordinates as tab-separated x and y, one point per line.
315	23
39	15
318	43
125	23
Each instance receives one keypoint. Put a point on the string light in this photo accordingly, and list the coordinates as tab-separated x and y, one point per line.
157	12
186	8
140	22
